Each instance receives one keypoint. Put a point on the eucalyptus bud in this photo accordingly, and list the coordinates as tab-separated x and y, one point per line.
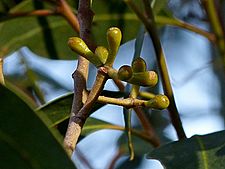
148	78
139	65
158	102
102	53
125	72
80	47
114	37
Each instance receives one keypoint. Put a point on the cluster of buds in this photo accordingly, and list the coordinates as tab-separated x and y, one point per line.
102	56
136	74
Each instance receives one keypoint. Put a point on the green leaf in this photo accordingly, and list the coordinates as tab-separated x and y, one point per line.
197	152
6	5
113	13
160	8
59	109
141	146
25	141
46	36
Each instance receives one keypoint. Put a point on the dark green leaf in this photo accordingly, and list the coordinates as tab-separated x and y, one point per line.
25	141
113	13
59	109
160	8
197	152
93	124
140	145
134	164
6	5
46	36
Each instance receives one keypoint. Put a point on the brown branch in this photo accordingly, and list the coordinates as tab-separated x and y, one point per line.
85	17
41	12
50	1
92	97
2	81
116	157
119	84
154	139
83	159
64	9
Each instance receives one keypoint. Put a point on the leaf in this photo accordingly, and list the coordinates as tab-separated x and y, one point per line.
25	141
93	124
160	8
197	152
46	36
59	109
113	13
141	146
6	5
127	164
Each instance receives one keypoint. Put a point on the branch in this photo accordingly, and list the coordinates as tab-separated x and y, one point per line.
176	22
41	12
65	10
2	81
146	95
81	156
153	138
160	20
217	24
116	157
81	73
150	25
79	112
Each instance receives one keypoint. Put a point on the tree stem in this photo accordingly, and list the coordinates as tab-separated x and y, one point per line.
81	73
65	10
216	22
150	25
2	81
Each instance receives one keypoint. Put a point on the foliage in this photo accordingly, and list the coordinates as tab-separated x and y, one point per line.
32	130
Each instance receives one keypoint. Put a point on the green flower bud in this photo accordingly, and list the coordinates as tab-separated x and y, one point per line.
148	78
158	102
114	37
102	53
125	72
80	47
139	65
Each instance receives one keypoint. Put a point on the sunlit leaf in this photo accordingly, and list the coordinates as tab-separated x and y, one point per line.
46	36
197	152
25	141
